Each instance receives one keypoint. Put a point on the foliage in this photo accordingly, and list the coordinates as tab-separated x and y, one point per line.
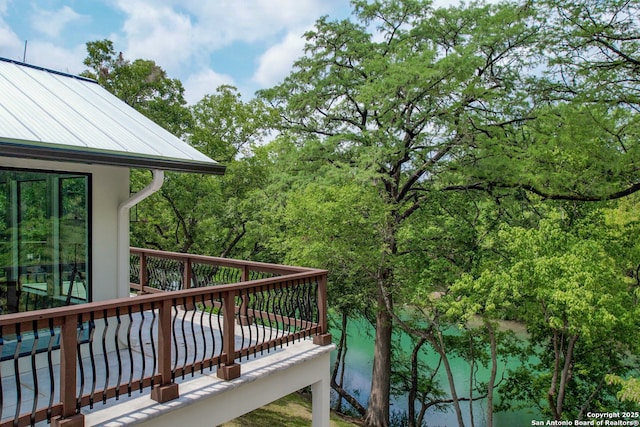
630	388
564	283
142	84
436	160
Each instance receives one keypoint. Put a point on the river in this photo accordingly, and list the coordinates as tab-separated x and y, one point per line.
358	381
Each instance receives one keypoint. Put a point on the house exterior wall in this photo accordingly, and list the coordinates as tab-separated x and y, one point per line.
110	186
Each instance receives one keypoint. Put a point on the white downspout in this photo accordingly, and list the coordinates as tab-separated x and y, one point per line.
123	229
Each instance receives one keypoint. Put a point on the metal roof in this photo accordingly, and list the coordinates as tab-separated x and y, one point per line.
49	115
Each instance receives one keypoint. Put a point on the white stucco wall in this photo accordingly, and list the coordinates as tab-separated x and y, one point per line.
110	186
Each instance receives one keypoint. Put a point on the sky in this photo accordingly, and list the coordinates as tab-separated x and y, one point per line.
250	44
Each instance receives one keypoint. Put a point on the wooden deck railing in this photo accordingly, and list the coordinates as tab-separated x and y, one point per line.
67	358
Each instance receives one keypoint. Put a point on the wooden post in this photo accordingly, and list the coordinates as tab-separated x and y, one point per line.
323	337
244	318
229	369
166	390
187	274
143	272
68	365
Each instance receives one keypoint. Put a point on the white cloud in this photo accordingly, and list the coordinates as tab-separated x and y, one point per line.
10	45
157	33
53	22
55	57
181	34
275	64
203	83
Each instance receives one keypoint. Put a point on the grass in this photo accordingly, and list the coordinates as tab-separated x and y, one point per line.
293	410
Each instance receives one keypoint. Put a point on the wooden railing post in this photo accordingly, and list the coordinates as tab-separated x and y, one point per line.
323	337
68	364
143	272
187	274
166	390
244	318
229	369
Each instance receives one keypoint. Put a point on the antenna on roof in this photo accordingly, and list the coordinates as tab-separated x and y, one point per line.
24	55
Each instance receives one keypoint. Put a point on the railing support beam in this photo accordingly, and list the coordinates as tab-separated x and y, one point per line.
324	337
229	370
68	356
166	390
143	273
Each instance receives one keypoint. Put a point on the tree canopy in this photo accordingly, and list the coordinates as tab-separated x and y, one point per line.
452	168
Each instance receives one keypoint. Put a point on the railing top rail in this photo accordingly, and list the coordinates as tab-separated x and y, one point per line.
227	262
59	313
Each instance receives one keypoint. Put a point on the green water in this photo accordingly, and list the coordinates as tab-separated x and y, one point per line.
358	381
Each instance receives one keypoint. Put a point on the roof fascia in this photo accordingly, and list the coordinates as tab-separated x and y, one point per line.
27	151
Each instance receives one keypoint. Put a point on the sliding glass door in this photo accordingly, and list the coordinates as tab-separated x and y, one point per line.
45	250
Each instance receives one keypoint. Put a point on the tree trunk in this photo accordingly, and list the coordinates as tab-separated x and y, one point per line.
566	374
340	361
472	367
494	371
413	391
452	384
378	408
551	394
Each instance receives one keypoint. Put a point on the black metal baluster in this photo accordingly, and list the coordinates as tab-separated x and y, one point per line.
130	351
300	310
220	329
316	302
294	306
270	310
284	301
118	357
144	359
80	363
105	356
213	336
52	383
184	335
175	342
94	380
34	372
204	338
238	314
259	305
193	335
299	304
153	344
16	372
248	320
280	313
305	315
286	318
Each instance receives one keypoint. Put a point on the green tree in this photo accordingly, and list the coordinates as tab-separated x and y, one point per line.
580	138
212	215
577	303
393	106
142	84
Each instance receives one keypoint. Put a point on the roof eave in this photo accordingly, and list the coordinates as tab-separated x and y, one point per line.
8	149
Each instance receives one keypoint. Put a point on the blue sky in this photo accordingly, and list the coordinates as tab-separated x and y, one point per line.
249	44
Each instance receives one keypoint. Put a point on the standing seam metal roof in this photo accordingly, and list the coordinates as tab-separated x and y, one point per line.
49	115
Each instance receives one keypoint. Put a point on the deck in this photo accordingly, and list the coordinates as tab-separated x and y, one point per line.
75	362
